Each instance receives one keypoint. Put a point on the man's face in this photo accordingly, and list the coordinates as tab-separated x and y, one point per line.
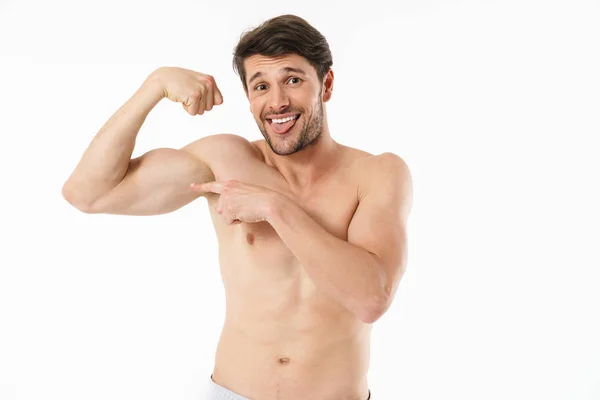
286	101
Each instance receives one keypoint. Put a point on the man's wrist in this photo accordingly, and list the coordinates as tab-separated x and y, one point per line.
276	208
153	86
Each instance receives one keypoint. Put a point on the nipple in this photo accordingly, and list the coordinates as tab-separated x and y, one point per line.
250	238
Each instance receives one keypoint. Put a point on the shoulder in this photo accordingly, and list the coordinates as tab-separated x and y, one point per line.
364	159
220	143
223	149
377	168
386	167
391	166
225	154
391	169
386	176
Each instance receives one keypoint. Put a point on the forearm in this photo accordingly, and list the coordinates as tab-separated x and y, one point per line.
106	160
347	273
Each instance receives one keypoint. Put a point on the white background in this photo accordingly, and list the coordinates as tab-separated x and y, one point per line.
494	105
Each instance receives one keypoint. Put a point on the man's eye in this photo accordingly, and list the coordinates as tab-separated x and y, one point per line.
261	87
294	80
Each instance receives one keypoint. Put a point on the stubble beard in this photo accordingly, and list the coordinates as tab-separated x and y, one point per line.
309	134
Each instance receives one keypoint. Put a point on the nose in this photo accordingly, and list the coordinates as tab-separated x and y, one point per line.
278	100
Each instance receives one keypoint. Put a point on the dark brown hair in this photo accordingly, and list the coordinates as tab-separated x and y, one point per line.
280	36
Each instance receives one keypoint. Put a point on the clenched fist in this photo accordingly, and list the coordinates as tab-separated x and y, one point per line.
197	92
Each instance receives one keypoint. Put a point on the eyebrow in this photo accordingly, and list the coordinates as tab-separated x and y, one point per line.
281	71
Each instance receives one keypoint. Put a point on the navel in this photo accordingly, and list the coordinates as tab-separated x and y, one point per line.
250	238
284	360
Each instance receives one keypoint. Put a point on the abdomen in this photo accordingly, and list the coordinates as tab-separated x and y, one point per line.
282	335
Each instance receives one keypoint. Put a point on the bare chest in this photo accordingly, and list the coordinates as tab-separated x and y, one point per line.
251	252
331	205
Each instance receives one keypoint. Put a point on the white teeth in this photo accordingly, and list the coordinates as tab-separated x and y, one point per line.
281	121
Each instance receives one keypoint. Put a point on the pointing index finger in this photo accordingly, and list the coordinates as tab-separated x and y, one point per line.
214	187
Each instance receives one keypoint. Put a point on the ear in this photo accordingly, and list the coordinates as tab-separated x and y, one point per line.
327	86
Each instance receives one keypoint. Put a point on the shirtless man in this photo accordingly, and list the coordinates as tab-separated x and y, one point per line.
312	233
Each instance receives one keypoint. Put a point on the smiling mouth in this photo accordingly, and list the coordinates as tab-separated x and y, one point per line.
283	125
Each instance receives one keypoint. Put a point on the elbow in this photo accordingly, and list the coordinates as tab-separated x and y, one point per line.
70	195
377	304
373	310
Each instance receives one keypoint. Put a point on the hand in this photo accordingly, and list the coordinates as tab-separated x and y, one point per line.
241	202
197	92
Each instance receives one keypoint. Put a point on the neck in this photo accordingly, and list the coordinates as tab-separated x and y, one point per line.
308	166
